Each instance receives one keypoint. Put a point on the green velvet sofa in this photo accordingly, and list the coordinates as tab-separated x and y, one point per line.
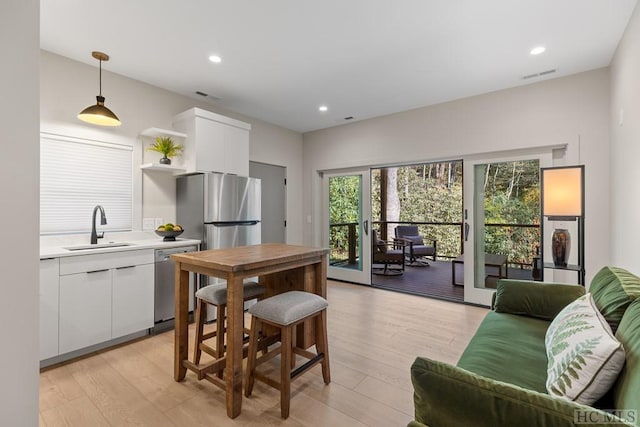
500	377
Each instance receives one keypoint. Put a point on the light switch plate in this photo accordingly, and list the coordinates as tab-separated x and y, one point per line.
148	224
158	222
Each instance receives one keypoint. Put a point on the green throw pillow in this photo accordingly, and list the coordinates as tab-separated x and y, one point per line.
613	289
534	299
584	358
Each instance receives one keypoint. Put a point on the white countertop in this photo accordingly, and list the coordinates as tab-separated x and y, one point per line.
54	246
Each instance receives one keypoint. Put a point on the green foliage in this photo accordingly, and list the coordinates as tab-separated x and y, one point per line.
166	147
344	214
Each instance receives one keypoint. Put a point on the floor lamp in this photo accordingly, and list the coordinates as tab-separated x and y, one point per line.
563	200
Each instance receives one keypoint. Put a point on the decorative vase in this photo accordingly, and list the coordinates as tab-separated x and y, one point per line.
560	246
165	161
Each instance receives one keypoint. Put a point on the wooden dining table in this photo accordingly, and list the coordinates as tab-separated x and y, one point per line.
279	267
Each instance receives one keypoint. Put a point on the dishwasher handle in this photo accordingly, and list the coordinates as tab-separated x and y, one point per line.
164	254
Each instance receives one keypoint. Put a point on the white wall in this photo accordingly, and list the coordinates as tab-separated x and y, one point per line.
572	110
68	86
625	148
19	181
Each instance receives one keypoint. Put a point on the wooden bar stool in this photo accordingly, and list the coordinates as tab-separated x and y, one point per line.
285	311
216	295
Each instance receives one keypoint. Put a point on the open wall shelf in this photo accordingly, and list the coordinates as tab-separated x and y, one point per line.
162	168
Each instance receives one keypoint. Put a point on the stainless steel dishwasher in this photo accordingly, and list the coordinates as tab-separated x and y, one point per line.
164	306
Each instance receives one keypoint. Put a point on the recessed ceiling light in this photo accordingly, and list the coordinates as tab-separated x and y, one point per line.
323	108
537	50
215	59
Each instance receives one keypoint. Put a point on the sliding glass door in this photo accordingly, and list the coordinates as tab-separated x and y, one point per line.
347	200
501	222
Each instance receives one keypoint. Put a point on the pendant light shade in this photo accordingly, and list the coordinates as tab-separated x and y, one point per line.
99	114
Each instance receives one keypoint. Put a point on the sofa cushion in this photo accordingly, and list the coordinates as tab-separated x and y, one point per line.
503	345
446	395
613	289
584	356
626	390
534	299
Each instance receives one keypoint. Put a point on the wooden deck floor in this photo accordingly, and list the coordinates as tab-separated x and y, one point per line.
435	281
374	336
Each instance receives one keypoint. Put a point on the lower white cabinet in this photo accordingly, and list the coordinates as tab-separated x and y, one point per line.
49	287
132	299
85	309
104	296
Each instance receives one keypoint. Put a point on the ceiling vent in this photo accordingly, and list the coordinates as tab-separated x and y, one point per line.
540	74
206	95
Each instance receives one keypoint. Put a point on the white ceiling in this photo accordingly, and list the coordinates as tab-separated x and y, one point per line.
281	59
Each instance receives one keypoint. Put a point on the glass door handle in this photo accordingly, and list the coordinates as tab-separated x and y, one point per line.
366	227
466	231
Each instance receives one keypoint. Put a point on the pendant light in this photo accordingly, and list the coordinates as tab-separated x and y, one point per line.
99	114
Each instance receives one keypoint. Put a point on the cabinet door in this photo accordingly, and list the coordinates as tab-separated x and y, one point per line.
133	296
236	149
49	298
209	146
85	309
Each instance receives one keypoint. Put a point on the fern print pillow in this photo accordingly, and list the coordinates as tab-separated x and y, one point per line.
584	358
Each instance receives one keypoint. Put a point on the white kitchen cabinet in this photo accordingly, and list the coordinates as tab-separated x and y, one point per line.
85	309
132	303
214	143
49	298
236	146
104	296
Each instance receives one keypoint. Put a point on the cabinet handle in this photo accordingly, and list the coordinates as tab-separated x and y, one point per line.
128	266
97	271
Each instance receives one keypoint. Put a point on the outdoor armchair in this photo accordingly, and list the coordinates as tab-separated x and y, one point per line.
389	255
418	249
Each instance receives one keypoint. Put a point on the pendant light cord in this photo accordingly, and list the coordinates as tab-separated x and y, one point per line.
100	90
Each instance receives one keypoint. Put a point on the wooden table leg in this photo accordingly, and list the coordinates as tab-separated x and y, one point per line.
233	369
181	335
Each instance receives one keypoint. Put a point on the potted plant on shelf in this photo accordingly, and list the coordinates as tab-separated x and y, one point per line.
167	148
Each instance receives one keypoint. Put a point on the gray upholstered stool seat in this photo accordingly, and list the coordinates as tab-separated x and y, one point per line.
217	294
289	307
284	312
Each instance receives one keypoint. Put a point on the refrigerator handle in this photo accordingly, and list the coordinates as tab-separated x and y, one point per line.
232	223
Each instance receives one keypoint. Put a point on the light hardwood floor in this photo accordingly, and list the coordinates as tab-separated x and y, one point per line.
374	336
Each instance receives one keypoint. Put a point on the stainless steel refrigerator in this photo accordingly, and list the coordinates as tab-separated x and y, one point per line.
221	210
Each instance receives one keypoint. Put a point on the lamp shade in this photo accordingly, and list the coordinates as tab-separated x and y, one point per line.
99	114
562	191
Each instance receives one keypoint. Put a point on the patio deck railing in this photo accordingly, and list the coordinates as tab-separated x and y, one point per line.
505	236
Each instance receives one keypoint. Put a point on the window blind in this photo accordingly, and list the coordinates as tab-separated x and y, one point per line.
78	174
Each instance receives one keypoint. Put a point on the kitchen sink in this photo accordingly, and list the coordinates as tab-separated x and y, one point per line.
98	246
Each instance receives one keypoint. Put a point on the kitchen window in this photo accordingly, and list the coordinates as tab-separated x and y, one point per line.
77	174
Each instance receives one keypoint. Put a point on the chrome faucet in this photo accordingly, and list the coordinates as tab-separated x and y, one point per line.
103	221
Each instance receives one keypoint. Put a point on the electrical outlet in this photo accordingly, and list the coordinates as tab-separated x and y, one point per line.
148	224
158	222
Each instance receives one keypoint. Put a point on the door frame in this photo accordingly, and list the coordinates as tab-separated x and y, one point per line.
363	274
473	294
